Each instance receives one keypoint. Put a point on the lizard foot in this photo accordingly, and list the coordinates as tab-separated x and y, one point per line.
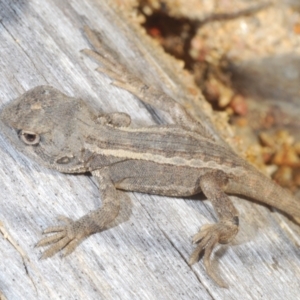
207	239
66	237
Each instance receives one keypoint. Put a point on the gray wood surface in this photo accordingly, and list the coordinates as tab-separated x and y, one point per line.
145	256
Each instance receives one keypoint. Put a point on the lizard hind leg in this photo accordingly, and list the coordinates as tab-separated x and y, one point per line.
210	235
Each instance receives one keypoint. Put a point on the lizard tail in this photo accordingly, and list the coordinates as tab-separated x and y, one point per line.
258	187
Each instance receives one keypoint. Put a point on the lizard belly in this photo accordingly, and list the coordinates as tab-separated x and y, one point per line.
152	178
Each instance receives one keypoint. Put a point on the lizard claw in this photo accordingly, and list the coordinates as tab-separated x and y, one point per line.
66	237
207	239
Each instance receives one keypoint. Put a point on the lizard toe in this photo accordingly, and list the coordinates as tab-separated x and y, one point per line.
56	247
71	246
48	240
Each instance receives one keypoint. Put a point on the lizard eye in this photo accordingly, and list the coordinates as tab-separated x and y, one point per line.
29	138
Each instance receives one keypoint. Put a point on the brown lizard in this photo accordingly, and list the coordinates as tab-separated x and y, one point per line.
65	134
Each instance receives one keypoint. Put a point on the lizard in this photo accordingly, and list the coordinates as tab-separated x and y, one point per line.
183	159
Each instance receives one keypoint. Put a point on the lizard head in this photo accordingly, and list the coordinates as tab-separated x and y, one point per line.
43	123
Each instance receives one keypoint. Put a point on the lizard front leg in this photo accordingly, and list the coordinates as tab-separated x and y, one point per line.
124	79
68	237
213	185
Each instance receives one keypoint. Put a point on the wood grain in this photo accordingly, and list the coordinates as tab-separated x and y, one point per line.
145	256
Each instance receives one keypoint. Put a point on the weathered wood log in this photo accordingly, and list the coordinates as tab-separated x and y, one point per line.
145	256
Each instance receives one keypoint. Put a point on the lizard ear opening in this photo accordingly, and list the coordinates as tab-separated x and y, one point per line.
29	137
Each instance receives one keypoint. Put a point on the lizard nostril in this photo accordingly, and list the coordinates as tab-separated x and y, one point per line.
64	160
236	220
